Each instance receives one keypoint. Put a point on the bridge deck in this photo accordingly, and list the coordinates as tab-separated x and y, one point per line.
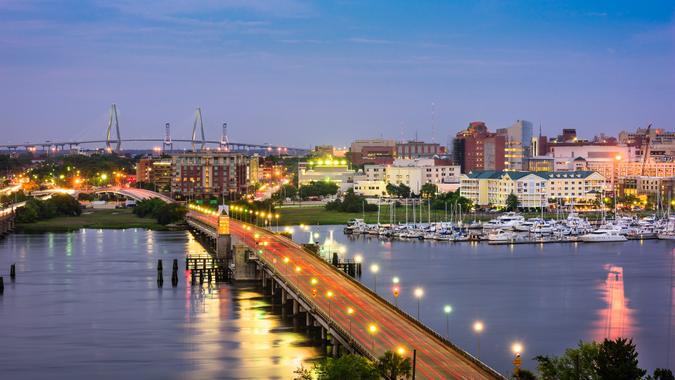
435	358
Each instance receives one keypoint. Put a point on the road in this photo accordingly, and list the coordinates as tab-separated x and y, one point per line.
435	359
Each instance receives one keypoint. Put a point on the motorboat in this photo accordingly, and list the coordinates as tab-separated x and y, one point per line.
501	235
603	235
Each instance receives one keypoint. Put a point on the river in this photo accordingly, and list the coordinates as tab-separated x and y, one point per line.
86	304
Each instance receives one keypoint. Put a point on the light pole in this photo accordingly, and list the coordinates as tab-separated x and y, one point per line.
517	348
478	328
350	311
329	295
419	293
447	310
375	268
372	329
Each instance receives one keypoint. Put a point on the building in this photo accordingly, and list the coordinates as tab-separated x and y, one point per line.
540	164
412	173
661	143
374	151
157	172
418	149
518	139
658	188
210	173
478	149
370	188
533	189
326	169
565	154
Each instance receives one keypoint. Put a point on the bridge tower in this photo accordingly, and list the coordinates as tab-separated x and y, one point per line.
224	142
167	138
113	121
198	121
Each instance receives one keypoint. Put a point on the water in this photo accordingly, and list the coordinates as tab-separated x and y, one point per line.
546	296
86	305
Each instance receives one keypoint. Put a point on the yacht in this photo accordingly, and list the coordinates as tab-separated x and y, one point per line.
501	235
506	221
603	235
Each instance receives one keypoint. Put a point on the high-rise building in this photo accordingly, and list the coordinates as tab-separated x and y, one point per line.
210	173
518	139
478	149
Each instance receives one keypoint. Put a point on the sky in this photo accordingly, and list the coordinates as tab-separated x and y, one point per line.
302	73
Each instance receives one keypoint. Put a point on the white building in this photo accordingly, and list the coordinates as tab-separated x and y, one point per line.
533	189
327	169
412	173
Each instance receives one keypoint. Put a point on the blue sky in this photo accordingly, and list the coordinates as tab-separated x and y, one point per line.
300	73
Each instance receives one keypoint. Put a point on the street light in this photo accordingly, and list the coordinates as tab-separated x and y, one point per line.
396	292
358	259
375	268
447	310
286	260
329	295
478	328
395	280
372	329
350	311
400	351
517	348
313	281
419	293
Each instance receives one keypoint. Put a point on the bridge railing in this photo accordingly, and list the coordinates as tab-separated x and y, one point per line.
408	317
316	309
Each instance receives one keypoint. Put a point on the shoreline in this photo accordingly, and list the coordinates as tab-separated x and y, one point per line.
109	219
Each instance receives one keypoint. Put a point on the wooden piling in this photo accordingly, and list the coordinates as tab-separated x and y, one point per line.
2	285
12	272
160	276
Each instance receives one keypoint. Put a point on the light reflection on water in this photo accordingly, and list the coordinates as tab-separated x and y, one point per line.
549	296
94	310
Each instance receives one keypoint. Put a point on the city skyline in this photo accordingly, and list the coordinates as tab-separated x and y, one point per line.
296	73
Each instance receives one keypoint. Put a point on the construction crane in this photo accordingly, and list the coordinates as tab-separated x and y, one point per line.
644	147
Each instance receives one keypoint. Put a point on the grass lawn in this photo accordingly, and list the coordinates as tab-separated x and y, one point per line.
108	219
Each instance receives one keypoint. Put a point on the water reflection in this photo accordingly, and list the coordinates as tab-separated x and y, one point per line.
616	320
93	305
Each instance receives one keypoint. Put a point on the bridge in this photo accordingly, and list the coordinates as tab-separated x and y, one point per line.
349	315
128	192
113	140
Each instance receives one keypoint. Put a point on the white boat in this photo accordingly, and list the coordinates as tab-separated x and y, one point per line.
603	235
666	236
501	235
506	221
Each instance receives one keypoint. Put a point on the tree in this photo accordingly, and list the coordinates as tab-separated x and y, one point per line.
575	363
392	190
512	202
169	213
318	189
302	373
524	374
428	190
353	367
663	374
285	191
618	360
392	366
351	202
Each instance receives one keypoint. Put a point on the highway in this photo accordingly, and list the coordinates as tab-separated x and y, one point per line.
435	358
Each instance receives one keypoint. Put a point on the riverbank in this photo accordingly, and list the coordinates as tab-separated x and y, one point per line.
90	218
318	215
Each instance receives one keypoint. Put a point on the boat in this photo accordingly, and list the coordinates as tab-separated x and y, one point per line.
506	221
603	235
501	235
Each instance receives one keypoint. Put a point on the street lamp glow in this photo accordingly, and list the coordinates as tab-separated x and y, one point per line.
400	351
419	292
374	268
313	281
350	311
478	326
618	157
395	280
286	260
329	294
517	348
372	328
447	309
358	259
298	269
